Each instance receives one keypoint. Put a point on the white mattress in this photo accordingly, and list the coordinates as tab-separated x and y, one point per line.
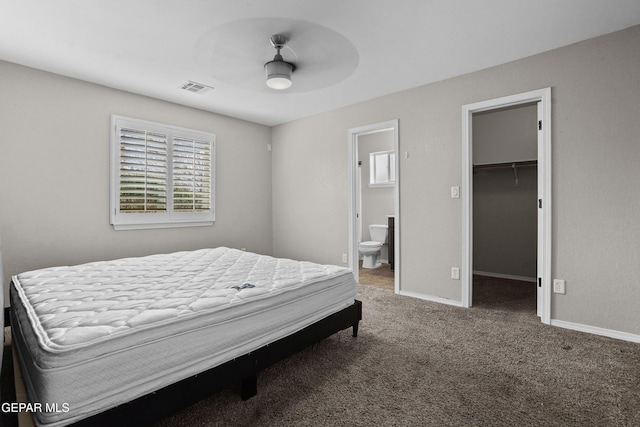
97	335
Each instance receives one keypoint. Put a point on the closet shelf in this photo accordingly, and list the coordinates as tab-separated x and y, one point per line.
506	165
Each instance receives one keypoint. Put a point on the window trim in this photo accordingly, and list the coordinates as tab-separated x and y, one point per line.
169	219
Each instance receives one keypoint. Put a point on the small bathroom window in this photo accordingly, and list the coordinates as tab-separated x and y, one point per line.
382	169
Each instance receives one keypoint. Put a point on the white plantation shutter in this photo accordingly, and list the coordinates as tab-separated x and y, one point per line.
191	175
161	176
143	171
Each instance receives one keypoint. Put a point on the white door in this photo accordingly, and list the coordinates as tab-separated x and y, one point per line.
540	251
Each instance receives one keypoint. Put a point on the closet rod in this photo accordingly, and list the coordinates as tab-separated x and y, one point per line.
506	165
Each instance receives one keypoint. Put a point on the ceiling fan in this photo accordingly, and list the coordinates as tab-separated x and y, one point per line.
229	54
278	71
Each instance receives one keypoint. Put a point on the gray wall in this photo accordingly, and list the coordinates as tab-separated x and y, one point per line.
505	211
596	153
54	134
505	223
54	174
505	135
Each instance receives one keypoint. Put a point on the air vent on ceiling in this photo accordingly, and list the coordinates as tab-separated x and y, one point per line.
196	87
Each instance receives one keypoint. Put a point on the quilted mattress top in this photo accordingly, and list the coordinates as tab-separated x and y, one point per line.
73	306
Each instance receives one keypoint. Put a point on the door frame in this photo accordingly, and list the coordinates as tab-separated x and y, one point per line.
543	98
355	199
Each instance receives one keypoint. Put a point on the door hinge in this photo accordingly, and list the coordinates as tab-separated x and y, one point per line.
539	124
539	282
540	203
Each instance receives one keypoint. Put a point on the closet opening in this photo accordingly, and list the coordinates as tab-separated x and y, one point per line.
505	198
506	202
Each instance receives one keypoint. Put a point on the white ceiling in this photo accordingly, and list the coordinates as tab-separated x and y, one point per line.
346	51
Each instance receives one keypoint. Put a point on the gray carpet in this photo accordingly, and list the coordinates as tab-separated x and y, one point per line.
417	363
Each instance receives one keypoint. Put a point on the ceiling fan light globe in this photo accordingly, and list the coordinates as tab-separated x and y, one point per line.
278	74
279	83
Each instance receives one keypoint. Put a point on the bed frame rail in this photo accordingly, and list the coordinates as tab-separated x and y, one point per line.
244	369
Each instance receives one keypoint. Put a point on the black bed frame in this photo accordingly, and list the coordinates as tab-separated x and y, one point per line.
244	369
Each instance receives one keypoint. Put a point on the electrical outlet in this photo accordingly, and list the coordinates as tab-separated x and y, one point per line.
344	258
558	286
455	273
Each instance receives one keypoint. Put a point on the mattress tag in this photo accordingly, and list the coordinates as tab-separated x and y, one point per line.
244	286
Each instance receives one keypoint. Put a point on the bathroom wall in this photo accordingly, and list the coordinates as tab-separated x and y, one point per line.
504	210
377	202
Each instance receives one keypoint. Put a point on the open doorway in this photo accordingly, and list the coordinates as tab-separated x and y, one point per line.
373	207
505	198
540	100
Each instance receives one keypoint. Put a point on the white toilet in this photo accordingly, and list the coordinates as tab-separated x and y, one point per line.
370	250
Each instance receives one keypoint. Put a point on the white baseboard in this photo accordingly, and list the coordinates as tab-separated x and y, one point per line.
430	298
611	333
384	261
505	276
625	336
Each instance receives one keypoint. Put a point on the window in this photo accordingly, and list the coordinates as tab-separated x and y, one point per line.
382	169
161	176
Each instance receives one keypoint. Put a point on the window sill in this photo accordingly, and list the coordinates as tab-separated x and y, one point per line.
120	227
382	185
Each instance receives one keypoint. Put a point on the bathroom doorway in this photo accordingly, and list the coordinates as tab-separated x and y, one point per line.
374	189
